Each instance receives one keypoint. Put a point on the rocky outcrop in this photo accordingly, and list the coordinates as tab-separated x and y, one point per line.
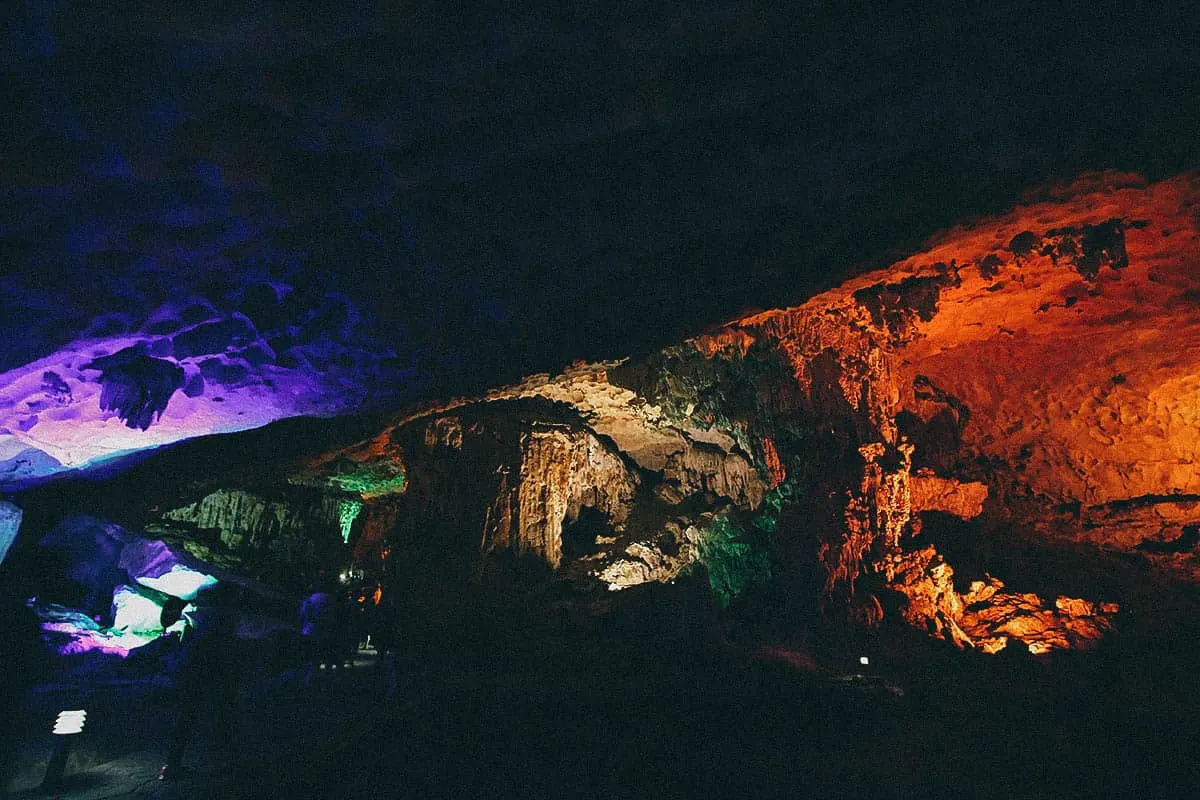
1040	338
1045	355
561	472
105	558
184	369
505	478
660	561
932	493
10	523
986	617
876	553
247	521
290	538
509	471
958	382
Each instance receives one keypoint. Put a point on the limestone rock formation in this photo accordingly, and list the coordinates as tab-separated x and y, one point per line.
1051	345
103	555
10	523
274	536
1018	370
186	368
1028	373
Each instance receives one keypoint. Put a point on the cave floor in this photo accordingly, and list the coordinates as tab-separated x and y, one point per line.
490	707
124	740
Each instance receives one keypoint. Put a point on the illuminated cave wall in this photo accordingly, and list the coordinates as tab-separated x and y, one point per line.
1046	352
1017	366
303	207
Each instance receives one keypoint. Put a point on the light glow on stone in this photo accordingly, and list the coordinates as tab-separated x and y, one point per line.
73	632
180	581
134	612
85	640
348	511
371	481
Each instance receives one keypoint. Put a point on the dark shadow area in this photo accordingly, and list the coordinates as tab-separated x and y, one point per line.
580	535
505	706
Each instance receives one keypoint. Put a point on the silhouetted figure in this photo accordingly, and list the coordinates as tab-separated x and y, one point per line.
322	631
203	667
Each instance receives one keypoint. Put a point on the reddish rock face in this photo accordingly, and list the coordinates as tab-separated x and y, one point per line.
1016	367
1054	344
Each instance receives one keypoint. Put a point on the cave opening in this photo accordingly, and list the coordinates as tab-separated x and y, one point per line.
582	535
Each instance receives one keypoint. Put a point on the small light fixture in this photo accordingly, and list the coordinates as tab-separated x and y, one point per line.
864	660
66	726
70	722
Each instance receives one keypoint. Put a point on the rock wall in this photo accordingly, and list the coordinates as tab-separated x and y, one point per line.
294	537
1033	369
1047	352
502	477
506	472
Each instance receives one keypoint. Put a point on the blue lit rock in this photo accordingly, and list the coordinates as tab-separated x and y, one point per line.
93	549
10	523
164	568
103	555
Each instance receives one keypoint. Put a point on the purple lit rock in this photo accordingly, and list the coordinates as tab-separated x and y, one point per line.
93	551
167	569
113	397
135	386
103	555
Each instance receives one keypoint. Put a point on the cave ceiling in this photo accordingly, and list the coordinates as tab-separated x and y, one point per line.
209	221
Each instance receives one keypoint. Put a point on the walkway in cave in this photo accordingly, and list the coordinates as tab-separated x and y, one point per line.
124	741
496	703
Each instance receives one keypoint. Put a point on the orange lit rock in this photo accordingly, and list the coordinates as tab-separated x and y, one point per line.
776	474
1059	338
986	617
962	499
1037	370
927	583
879	518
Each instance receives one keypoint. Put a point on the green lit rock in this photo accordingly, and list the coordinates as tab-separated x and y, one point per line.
348	511
137	609
733	559
370	480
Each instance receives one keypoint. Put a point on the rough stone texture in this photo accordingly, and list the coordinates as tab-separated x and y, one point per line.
561	472
1017	368
247	521
189	370
294	537
986	617
93	548
10	524
932	493
510	469
874	551
102	555
1053	344
648	562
